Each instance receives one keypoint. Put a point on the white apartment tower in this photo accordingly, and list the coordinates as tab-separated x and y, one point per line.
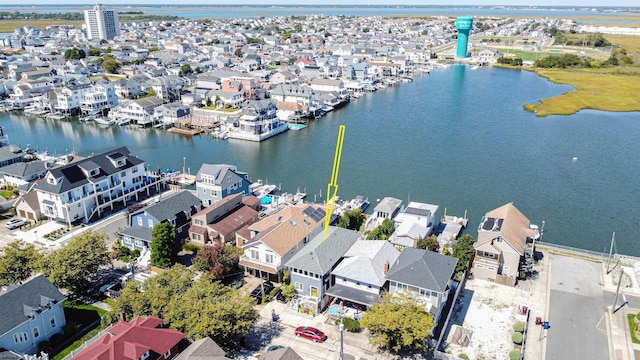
101	23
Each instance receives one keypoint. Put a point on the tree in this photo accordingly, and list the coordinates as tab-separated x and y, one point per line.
382	231
430	243
185	70
289	291
110	64
463	250
398	321
94	51
351	220
210	309
74	53
17	262
219	259
73	266
198	308
163	245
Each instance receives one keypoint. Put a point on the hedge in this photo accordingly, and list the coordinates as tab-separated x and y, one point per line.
515	354
518	327
517	338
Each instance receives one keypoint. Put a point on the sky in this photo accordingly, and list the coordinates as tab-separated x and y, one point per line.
580	3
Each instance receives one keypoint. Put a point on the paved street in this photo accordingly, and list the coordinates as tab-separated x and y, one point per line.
577	311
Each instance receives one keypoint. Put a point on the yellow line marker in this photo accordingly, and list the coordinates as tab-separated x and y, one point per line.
331	198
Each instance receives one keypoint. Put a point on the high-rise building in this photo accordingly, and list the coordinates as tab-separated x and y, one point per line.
101	24
463	24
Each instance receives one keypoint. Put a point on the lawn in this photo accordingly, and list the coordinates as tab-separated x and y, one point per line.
79	316
608	89
632	326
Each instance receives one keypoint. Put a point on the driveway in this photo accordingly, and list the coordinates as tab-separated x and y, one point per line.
577	307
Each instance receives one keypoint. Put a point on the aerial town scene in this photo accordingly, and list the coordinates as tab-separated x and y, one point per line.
325	180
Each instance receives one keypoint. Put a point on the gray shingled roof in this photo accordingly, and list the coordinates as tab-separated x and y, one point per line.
73	176
14	302
321	254
168	208
388	205
285	353
138	232
422	268
365	261
24	169
203	349
220	173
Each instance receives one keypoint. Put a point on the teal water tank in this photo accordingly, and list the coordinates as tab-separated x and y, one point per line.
464	25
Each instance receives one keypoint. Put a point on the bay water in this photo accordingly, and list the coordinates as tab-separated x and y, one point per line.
458	138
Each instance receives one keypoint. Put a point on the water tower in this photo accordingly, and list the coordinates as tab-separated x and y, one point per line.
463	24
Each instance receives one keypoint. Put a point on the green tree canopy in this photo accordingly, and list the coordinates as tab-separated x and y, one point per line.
397	322
382	232
17	262
351	220
73	266
110	64
430	243
463	250
198	308
163	245
185	70
219	259
74	53
94	51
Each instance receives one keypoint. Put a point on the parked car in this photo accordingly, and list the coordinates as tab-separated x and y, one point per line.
257	292
15	223
311	333
281	298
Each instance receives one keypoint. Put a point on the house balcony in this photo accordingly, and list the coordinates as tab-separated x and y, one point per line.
486	261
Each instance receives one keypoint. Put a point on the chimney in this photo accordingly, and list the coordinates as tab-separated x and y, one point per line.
386	267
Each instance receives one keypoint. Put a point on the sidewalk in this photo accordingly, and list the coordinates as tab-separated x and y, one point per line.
538	307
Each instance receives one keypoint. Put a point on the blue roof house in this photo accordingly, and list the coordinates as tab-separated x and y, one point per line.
311	268
176	210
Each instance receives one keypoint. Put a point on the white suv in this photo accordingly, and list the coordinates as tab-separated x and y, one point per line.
15	223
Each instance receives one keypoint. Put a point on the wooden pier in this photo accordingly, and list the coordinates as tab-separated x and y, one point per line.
186	131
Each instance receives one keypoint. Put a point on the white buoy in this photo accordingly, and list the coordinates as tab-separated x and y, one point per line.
575	158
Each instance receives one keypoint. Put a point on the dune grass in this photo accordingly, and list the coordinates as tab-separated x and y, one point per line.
609	89
7	26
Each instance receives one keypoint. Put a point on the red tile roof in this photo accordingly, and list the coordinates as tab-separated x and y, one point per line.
132	340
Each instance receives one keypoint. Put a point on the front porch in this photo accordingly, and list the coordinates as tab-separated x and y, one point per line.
349	302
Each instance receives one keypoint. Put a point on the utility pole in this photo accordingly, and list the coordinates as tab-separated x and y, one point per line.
341	327
613	243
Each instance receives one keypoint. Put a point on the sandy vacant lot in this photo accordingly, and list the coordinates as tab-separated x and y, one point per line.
489	310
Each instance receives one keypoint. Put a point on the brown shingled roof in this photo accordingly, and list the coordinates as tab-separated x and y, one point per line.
515	227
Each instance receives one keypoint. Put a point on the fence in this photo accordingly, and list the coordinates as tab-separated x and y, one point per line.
572	251
87	343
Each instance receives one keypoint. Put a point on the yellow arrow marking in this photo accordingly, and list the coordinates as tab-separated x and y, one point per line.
331	198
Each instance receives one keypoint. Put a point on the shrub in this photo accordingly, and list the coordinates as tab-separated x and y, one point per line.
57	339
351	325
517	338
515	354
464	356
518	327
274	292
191	247
44	346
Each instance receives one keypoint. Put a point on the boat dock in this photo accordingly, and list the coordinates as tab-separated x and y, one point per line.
186	131
450	227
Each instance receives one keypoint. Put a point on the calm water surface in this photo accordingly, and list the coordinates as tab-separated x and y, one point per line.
458	138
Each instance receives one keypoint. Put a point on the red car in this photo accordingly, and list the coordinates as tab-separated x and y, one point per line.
311	333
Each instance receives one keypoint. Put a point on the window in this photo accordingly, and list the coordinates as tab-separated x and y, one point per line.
299	286
313	291
480	266
139	221
491	268
53	322
36	332
255	255
204	191
198	222
269	258
150	223
166	356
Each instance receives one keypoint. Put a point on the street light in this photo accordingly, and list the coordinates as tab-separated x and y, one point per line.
341	327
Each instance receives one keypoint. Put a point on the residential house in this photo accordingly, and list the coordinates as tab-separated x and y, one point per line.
427	275
167	87
142	338
172	113
286	353
127	88
388	208
220	221
22	173
98	97
258	121
360	278
70	97
30	313
139	110
216	181
84	189
271	242
27	207
488	56
310	269
504	236
300	94
415	222
203	349
176	210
